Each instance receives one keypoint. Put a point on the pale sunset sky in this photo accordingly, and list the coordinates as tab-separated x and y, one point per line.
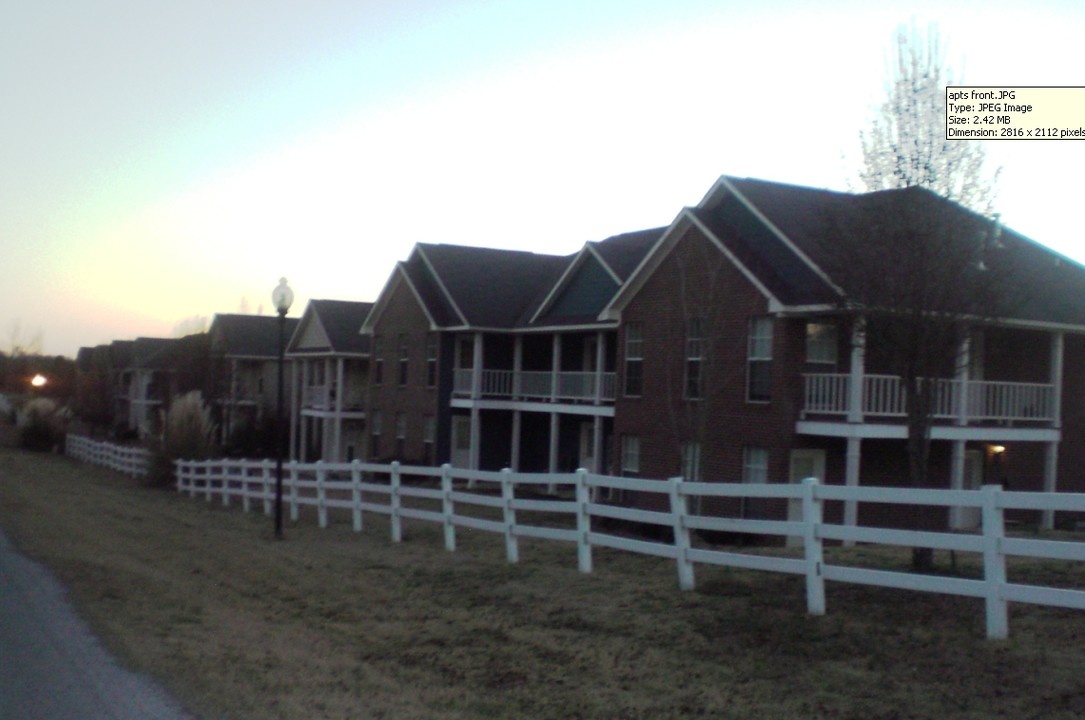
164	160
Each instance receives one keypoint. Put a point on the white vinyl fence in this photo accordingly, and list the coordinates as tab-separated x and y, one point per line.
454	497
130	460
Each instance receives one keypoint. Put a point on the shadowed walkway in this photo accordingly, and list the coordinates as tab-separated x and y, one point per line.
52	667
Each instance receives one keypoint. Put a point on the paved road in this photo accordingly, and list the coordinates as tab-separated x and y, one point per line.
52	667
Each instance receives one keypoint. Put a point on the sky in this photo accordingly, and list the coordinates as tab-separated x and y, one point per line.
165	161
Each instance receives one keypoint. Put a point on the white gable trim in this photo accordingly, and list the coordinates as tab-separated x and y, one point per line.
399	275
779	234
567	276
440	283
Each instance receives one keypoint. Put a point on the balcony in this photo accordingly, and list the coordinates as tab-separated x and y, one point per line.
539	385
978	401
322	398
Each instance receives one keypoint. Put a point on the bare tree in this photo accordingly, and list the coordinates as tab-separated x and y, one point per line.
906	144
20	343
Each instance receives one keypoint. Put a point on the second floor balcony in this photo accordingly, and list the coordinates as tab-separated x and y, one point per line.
324	397
535	386
961	402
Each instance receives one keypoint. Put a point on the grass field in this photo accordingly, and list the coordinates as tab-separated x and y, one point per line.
333	624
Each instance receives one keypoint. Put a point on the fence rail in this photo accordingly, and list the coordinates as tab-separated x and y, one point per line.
489	501
128	459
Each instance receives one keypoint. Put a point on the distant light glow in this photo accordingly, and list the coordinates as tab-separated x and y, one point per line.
38	381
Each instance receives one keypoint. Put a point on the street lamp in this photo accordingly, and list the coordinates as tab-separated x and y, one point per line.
281	297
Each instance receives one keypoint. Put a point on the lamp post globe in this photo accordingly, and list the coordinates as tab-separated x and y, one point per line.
282	297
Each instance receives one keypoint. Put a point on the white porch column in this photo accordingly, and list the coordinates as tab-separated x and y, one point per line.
956	482
600	364
514	461
555	368
517	366
294	390
964	362
325	432
476	437
597	446
553	463
1051	456
856	371
851	479
476	370
303	439
338	433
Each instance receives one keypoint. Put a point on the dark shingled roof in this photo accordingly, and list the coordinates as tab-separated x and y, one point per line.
809	218
623	253
342	320
254	336
492	288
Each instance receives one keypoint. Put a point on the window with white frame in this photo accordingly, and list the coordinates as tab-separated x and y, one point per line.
755	465
630	454
821	343
431	361
634	359
429	436
378	360
691	471
759	360
401	434
404	358
694	359
374	434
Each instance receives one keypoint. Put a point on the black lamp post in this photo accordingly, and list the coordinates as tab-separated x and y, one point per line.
282	296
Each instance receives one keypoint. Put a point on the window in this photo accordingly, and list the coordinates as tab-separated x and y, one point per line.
404	359
634	359
759	361
401	434
429	436
755	465
431	361
694	358
378	360
821	343
630	455
374	434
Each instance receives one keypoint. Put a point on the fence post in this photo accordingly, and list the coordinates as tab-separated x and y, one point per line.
179	472
395	502
246	500
265	478
226	482
293	479
994	564
207	479
447	508
512	546
583	522
321	495
679	511
812	547
356	493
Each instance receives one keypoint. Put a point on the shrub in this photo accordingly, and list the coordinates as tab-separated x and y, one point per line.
187	434
40	424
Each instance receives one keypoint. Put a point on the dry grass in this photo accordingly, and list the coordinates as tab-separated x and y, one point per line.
330	624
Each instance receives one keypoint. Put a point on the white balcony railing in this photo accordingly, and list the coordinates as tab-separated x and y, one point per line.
537	385
320	397
980	401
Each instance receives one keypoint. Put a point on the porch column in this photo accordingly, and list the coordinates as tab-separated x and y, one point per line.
1051	469
294	390
336	457
597	446
964	361
514	460
956	482
856	371
325	434
476	372
555	369
476	437
851	479
1051	456
553	463
517	366
600	364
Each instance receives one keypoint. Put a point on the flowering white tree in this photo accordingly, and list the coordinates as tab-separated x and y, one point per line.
906	144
